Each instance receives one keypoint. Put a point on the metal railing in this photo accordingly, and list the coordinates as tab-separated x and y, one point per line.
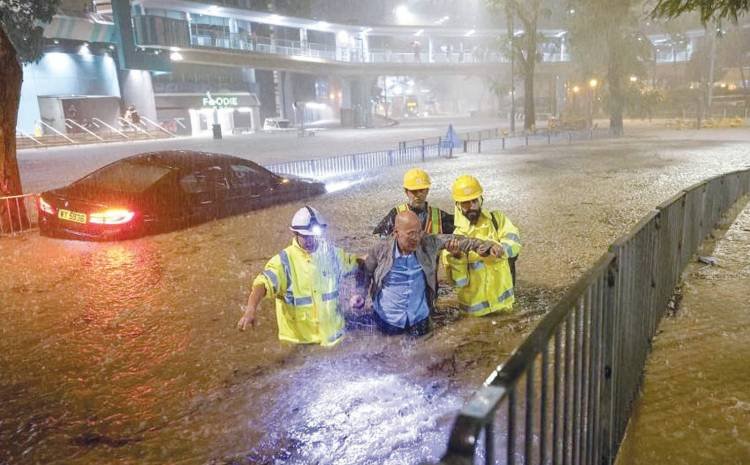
238	41
565	395
419	150
324	168
18	213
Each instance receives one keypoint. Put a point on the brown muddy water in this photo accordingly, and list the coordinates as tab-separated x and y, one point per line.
127	353
695	406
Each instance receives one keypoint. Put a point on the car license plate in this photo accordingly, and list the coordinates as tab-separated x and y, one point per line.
71	216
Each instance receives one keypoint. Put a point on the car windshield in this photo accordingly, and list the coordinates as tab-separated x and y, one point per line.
125	177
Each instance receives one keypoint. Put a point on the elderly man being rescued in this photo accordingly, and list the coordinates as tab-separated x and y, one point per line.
401	273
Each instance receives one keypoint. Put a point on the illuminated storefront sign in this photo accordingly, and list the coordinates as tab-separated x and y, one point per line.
210	101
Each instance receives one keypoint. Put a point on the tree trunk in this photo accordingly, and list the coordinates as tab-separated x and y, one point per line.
616	93
528	98
13	215
529	121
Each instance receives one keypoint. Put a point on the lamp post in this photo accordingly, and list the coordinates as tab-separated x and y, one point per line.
512	79
592	89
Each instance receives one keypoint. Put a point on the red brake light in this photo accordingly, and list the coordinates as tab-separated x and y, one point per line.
46	207
112	216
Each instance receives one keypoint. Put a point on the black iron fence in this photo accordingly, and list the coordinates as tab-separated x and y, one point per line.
565	395
360	162
420	150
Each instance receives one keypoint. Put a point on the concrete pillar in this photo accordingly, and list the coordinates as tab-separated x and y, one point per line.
365	44
278	88
356	103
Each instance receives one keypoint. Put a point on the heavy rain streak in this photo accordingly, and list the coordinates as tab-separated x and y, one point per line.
127	352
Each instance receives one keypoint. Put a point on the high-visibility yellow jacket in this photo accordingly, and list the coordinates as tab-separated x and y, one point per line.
306	289
433	225
484	284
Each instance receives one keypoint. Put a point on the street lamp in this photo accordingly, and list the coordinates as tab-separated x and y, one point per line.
403	15
633	78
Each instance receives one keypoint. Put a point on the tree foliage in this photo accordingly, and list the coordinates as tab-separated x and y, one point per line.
604	41
708	9
21	21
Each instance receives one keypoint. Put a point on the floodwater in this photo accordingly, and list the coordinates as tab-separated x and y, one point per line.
127	353
695	407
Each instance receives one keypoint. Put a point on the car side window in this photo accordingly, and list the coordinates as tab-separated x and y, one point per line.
205	181
245	176
195	183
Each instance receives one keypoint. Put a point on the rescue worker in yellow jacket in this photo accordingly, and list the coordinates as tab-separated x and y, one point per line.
304	281
484	284
416	187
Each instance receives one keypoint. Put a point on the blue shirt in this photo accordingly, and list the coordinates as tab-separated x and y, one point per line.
402	301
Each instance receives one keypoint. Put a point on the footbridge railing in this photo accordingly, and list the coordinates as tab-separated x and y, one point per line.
565	395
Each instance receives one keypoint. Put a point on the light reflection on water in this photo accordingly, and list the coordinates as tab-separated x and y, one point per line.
127	352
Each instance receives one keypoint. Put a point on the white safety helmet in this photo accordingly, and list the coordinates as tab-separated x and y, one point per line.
308	222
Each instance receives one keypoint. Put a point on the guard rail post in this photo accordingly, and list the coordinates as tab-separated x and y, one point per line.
610	308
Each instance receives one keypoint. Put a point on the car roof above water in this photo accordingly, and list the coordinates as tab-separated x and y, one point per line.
184	159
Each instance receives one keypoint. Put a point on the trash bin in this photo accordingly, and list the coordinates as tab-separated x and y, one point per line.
217	131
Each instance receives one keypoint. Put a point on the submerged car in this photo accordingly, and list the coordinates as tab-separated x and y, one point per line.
163	191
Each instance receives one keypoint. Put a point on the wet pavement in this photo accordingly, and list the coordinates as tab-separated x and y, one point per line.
52	167
695	406
127	352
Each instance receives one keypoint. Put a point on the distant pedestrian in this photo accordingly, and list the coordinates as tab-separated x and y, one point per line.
417	47
132	116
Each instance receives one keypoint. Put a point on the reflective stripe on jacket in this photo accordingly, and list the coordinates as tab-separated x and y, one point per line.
306	288
433	225
485	285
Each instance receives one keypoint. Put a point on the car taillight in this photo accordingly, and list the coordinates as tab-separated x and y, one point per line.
112	216
46	207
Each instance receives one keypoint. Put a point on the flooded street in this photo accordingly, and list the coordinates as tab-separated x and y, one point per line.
127	353
695	406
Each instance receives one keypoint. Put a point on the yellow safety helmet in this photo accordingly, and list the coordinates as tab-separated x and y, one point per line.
466	188
416	179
